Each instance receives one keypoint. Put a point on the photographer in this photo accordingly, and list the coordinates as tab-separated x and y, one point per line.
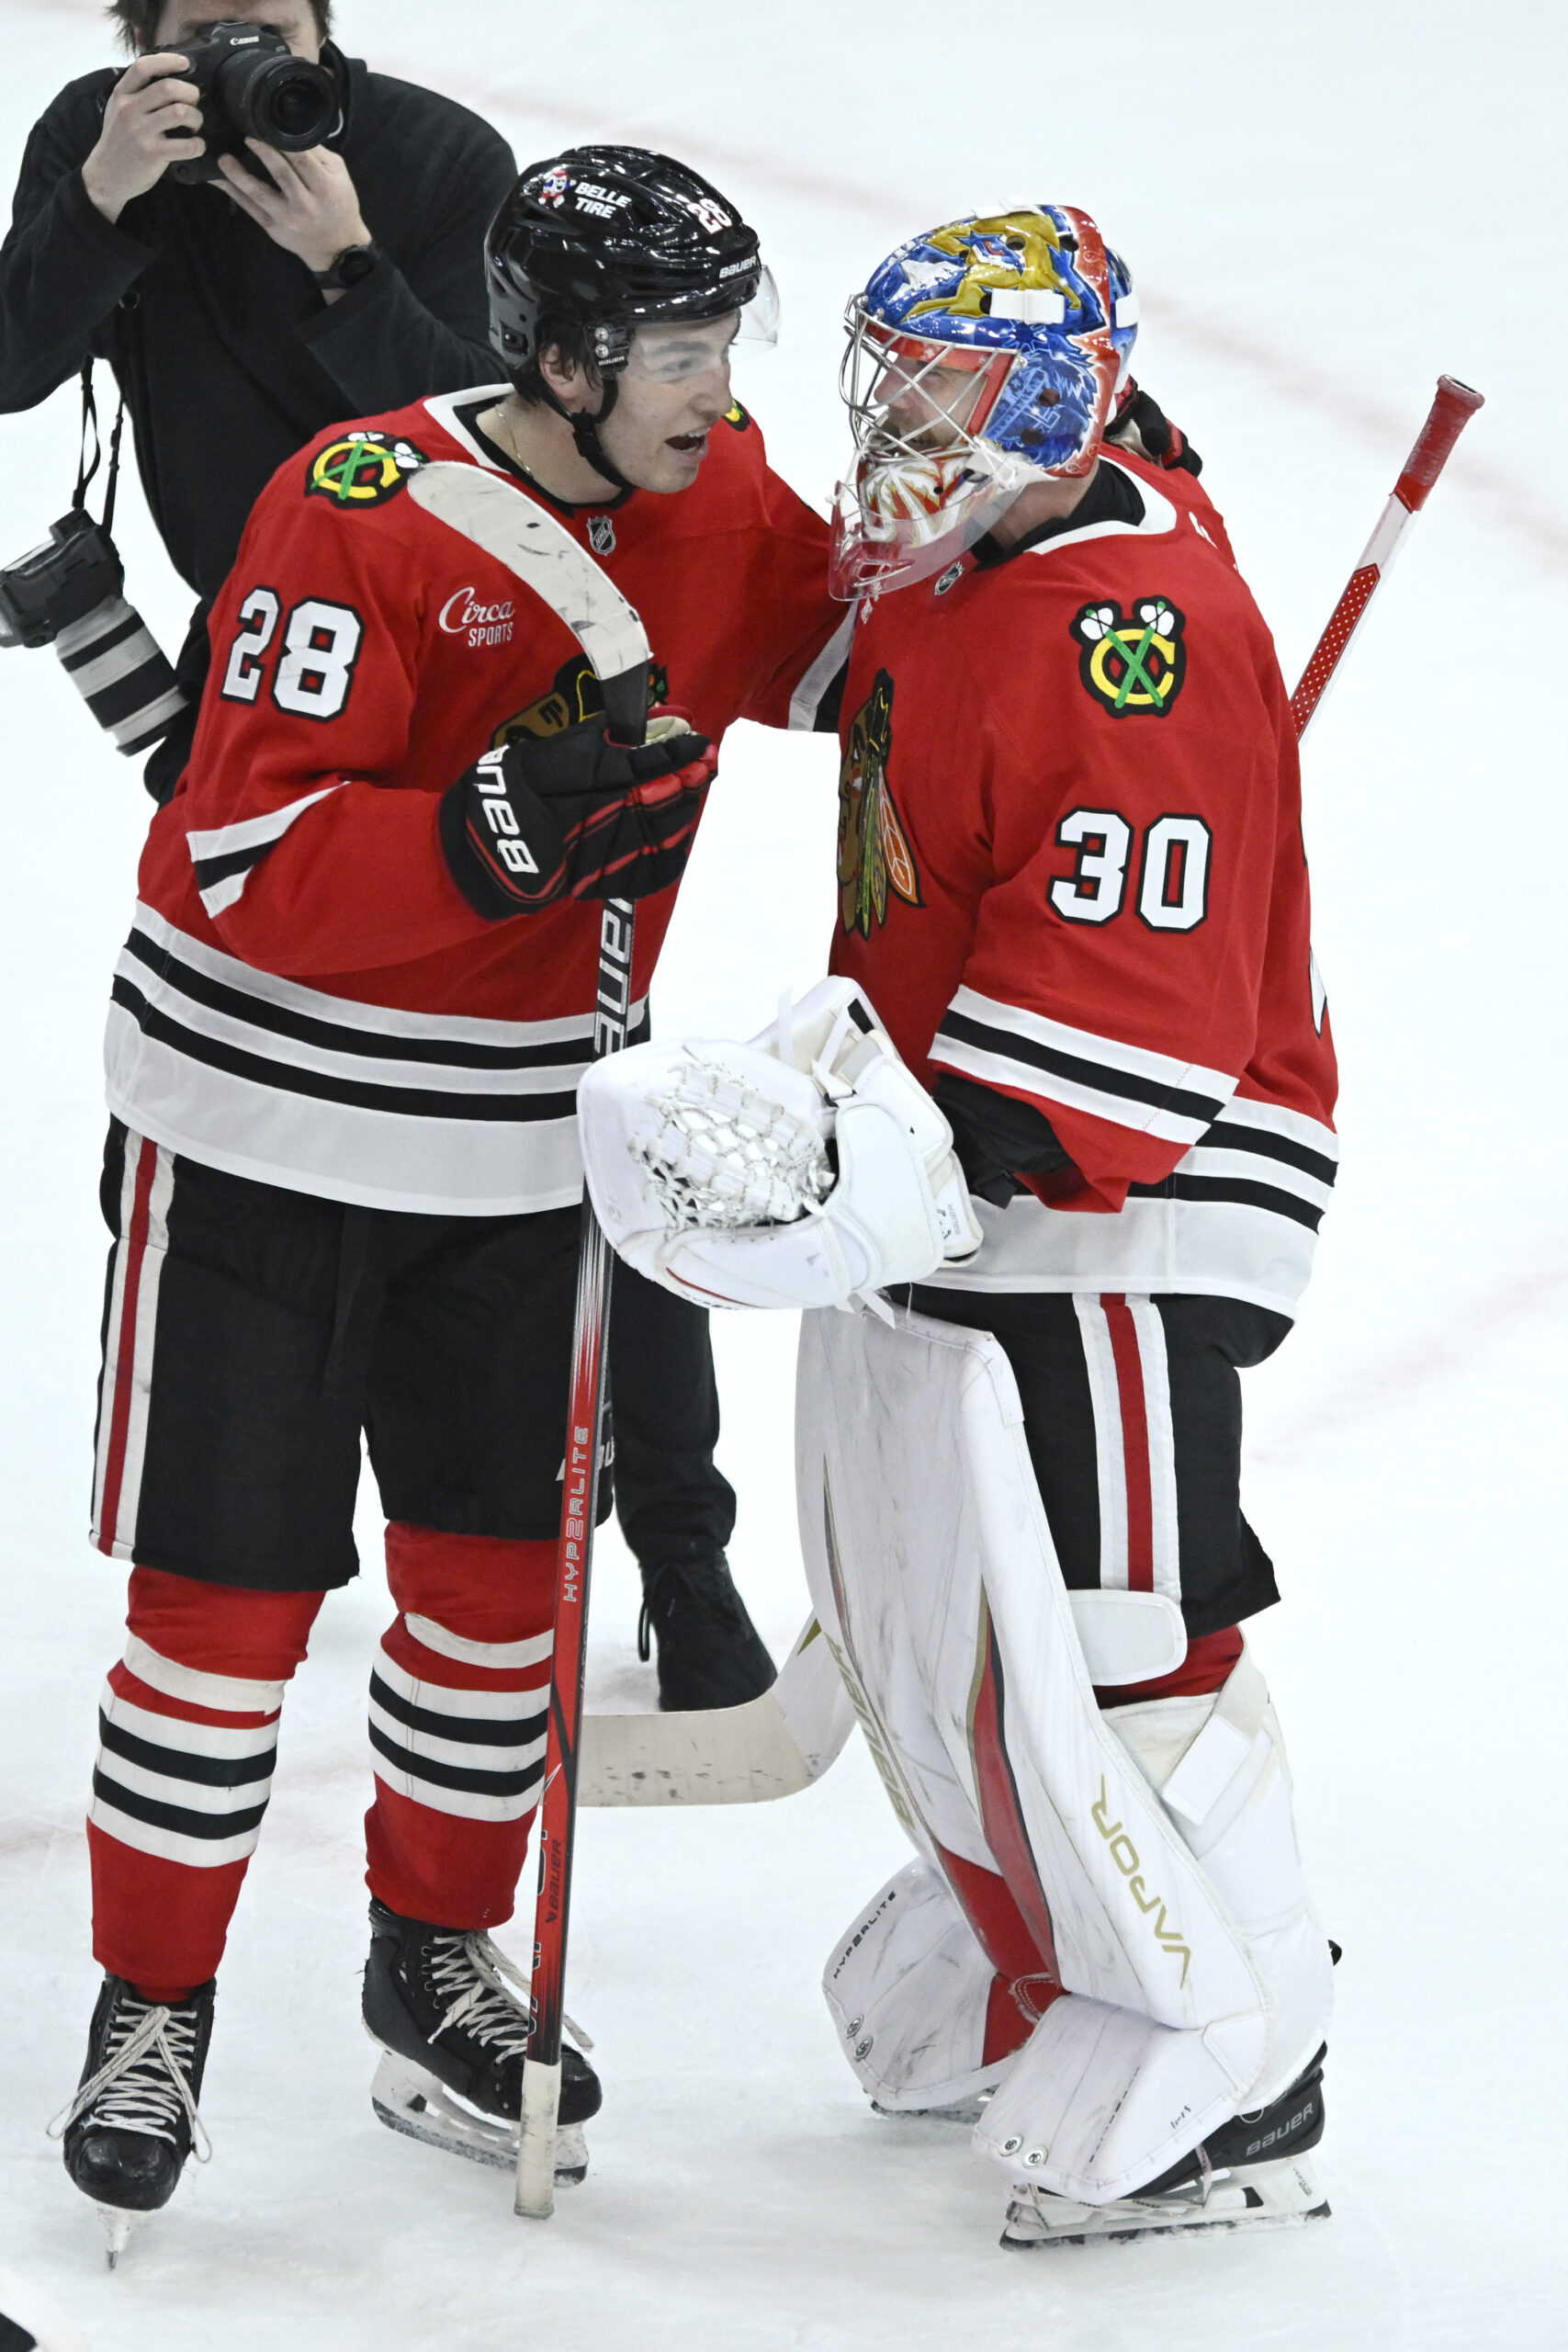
242	313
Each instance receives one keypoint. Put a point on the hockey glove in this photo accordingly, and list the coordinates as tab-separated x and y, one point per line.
999	1140
576	816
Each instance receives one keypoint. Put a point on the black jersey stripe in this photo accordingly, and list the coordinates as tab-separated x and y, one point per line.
405	1102
178	1764
472	1731
210	871
1237	1189
1203	1109
178	1817
455	1053
1229	1135
457	1777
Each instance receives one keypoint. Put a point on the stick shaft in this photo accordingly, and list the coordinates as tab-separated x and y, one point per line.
1450	411
579	1502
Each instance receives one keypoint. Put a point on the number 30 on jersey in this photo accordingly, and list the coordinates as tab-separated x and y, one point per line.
1173	878
313	672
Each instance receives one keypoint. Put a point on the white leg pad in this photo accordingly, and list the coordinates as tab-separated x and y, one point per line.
933	1571
1230	1797
1102	2101
907	1987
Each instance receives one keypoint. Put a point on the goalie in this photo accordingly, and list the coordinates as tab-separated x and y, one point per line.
1074	1161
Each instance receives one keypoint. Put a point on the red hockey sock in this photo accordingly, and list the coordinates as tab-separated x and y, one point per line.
457	1714
1209	1662
189	1734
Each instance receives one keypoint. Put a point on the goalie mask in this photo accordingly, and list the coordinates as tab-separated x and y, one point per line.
982	356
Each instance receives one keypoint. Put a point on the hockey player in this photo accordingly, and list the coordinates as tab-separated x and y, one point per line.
1073	898
343	1172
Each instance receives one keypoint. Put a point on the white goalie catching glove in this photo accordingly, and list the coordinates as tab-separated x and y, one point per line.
799	1169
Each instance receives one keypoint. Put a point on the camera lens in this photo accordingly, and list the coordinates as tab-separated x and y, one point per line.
284	100
292	107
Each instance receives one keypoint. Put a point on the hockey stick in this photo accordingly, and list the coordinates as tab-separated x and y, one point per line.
1452	411
486	510
768	1748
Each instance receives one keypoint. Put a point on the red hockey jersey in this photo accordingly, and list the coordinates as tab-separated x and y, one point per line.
306	997
1071	868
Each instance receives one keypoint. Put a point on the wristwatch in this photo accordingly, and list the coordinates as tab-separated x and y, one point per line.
350	267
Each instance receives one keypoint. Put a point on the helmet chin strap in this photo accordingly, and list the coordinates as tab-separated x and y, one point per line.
585	433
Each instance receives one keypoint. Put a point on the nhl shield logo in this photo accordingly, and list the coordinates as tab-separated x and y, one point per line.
602	534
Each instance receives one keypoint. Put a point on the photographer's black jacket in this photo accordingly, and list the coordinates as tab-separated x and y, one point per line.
229	358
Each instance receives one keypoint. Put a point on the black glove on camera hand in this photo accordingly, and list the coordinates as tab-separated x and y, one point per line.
576	816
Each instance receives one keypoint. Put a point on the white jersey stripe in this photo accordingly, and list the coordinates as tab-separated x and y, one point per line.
153	1258
1154	1360
1155	1071
112	1336
1109	1460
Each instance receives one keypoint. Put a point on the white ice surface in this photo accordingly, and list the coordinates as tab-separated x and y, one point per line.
1325	205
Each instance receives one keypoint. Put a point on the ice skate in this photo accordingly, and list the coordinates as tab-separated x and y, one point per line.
133	2121
453	2037
1251	2173
710	1654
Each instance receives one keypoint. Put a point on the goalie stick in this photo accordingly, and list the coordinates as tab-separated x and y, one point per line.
780	1743
486	510
1450	411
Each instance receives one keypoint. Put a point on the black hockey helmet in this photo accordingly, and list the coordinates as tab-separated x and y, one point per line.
607	237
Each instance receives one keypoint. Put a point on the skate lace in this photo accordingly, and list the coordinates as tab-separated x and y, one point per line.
475	1974
143	2083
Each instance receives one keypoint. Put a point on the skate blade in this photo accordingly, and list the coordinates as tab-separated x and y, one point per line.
411	2100
117	2230
967	2111
1280	2195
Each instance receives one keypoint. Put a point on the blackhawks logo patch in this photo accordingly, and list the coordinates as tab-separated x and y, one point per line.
575	697
875	857
362	470
1132	664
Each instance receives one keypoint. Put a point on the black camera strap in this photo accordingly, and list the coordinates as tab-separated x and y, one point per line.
92	439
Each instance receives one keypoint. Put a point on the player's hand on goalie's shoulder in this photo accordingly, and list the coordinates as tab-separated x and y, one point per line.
577	815
799	1169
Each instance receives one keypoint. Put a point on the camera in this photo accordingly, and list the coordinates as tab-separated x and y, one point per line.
253	86
68	594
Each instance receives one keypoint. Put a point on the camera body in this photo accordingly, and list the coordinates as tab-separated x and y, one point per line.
69	576
253	86
68	594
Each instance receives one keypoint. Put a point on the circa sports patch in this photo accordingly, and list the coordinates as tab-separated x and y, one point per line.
362	470
1132	664
875	857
